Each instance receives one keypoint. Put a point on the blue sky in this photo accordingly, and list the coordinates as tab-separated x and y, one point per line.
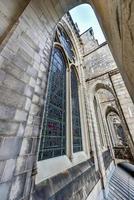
85	18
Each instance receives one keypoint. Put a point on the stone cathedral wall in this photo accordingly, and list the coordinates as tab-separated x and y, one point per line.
24	66
24	69
99	66
26	35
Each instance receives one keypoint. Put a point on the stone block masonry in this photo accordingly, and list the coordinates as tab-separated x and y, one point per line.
74	184
24	62
26	36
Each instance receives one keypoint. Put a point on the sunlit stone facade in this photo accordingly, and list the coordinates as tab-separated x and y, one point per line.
64	109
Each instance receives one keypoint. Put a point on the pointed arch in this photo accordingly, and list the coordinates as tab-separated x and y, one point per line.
66	31
59	46
111	109
76	72
101	85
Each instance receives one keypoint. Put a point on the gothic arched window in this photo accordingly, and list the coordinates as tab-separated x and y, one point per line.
54	126
67	45
57	119
76	126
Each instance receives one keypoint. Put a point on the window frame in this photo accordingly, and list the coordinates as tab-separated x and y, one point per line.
48	92
73	67
58	164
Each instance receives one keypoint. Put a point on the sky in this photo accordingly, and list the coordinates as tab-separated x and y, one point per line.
85	17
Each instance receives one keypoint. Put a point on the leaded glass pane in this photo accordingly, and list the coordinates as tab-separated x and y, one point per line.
77	137
53	140
67	44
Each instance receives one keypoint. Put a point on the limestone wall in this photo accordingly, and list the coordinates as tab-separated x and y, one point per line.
73	184
99	61
89	41
126	105
24	64
99	66
24	70
26	37
115	17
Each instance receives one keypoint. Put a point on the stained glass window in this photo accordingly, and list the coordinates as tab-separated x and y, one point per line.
76	126
53	139
67	44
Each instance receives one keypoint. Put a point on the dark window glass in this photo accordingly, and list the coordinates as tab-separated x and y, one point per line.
77	137
67	44
53	140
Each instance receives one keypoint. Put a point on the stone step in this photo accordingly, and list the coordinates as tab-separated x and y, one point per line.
121	185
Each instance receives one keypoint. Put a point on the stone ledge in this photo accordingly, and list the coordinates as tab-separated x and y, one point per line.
76	181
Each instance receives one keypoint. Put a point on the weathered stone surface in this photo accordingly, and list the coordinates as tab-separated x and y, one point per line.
27	104
20	115
20	165
21	130
98	62
68	184
7	112
14	70
28	91
26	146
107	158
4	190
28	130
10	146
32	72
2	76
35	99
8	128
9	97
14	84
17	188
2	165
8	170
32	82
26	42
34	110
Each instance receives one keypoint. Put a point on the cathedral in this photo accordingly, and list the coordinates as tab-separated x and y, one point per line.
66	102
